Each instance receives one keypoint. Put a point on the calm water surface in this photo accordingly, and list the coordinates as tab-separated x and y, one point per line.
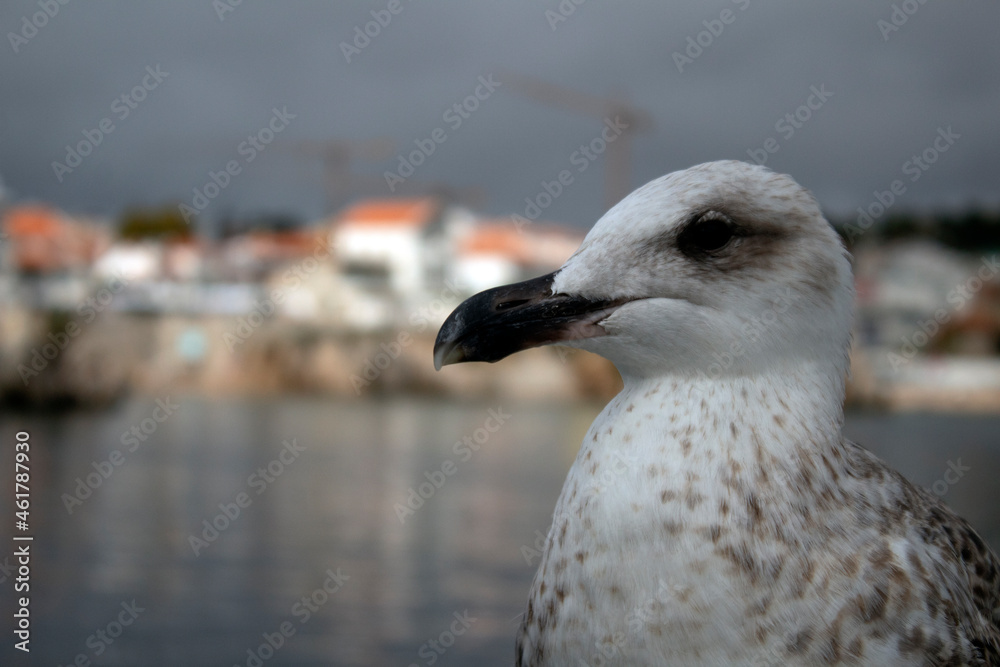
327	511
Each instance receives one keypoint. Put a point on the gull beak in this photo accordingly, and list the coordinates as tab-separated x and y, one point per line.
501	321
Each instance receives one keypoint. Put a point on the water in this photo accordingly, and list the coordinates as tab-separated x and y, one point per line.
444	584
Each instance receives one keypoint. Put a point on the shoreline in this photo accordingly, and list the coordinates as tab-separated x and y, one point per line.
53	359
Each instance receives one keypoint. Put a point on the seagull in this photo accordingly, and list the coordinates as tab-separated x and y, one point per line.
715	513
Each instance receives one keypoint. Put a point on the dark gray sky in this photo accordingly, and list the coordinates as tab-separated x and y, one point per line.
890	95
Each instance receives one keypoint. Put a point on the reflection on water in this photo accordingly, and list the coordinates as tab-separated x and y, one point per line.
324	508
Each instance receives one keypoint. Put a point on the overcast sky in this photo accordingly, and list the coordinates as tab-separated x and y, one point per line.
886	94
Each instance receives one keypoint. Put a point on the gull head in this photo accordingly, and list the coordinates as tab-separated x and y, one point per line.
725	268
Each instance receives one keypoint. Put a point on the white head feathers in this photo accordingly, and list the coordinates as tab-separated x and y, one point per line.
726	267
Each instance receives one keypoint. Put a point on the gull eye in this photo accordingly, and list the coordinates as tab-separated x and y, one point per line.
709	232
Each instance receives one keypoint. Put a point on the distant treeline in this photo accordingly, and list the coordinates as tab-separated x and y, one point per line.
972	230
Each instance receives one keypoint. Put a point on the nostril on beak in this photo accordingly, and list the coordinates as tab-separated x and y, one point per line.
512	303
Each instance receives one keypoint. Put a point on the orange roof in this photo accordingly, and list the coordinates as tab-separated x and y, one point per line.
32	220
389	212
495	239
542	244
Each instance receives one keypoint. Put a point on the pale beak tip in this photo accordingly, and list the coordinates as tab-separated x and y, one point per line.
446	354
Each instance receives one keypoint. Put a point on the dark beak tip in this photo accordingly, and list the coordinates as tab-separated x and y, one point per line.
491	325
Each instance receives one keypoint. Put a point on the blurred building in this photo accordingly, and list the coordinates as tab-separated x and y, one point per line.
974	330
901	284
46	256
40	239
255	255
928	328
400	246
140	261
394	255
397	255
498	252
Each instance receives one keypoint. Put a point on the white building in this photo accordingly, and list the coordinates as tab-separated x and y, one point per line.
498	252
395	253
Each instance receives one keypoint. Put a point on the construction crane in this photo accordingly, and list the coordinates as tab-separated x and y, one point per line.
341	182
336	156
617	169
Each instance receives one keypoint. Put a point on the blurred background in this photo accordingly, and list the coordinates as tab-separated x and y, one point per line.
229	231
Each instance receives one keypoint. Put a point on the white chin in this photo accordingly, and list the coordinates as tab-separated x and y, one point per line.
675	334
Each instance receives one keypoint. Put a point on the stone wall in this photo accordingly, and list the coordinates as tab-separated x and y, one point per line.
53	358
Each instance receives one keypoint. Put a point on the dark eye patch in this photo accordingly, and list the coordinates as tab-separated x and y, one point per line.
708	232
